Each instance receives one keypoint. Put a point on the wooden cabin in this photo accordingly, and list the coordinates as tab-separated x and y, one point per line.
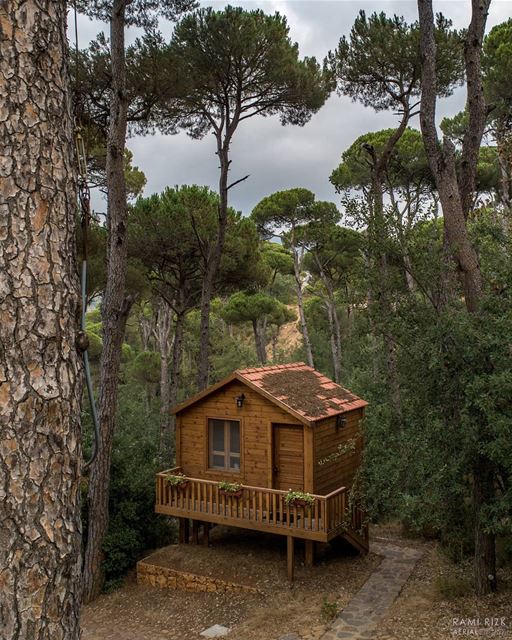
271	429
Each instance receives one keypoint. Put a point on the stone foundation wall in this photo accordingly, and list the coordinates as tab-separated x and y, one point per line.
165	578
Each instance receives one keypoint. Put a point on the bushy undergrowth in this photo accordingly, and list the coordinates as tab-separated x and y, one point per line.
134	528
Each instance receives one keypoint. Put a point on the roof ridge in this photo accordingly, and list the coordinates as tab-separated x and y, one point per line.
296	387
272	367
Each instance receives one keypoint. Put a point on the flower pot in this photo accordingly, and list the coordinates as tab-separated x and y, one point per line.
182	484
299	502
233	494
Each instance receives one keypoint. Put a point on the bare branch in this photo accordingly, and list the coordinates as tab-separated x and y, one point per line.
237	182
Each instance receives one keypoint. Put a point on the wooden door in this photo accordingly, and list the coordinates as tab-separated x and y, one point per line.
288	457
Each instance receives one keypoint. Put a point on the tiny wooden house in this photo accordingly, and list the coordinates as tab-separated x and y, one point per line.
270	429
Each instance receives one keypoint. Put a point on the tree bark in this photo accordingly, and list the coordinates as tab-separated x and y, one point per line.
259	340
336	360
40	374
177	350
456	197
213	262
485	544
163	333
300	304
378	234
503	137
334	321
115	308
146	329
274	338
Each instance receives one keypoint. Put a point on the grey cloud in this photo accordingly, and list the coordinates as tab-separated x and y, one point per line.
279	157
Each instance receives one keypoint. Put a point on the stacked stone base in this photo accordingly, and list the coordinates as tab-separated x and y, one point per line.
166	578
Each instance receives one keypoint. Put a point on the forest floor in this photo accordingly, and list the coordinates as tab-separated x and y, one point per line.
437	603
435	594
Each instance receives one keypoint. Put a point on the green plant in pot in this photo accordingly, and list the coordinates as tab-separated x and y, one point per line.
299	499
233	489
177	480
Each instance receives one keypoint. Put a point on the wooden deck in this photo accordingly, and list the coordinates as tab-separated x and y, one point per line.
263	509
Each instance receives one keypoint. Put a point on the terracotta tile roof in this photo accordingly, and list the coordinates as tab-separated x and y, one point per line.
302	389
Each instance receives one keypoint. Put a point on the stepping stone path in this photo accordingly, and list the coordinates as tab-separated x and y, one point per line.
360	617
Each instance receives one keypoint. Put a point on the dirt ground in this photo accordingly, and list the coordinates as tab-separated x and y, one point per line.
144	613
423	610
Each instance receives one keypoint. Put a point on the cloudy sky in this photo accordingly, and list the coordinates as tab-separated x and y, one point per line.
279	157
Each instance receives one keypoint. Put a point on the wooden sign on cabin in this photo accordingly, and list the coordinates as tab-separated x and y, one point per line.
271	448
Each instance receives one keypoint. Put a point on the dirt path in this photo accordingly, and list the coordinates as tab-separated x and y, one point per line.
361	616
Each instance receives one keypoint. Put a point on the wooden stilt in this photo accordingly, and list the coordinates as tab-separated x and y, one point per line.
195	531
183	530
206	533
309	553
290	557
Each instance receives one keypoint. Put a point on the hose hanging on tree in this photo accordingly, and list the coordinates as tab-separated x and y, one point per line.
85	207
84	202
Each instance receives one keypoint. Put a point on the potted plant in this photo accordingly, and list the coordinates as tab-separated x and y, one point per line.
233	489
177	480
299	499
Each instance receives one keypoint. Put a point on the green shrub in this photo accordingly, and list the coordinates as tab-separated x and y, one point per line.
329	609
134	528
450	586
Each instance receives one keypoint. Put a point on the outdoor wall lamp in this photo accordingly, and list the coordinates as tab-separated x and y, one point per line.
240	401
341	421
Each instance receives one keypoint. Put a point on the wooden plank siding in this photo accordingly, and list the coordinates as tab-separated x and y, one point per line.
339	471
256	417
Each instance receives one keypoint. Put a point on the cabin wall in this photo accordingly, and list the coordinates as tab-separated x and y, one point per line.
330	469
256	417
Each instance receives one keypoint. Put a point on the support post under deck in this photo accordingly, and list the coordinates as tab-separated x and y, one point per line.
206	533
290	557
184	530
195	531
309	553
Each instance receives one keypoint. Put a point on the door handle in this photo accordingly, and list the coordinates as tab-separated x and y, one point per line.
275	469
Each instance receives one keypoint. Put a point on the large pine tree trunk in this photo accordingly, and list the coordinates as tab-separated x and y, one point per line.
115	309
485	544
334	322
383	307
212	268
259	341
163	333
456	191
177	353
40	379
503	137
300	304
334	340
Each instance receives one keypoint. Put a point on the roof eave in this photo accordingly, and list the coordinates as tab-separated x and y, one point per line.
236	375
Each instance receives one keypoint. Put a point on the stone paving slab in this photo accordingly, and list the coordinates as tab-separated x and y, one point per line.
217	631
360	617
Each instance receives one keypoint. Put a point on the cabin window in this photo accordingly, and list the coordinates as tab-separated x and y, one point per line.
224	444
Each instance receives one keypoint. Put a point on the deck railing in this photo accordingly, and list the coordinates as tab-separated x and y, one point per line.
257	507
